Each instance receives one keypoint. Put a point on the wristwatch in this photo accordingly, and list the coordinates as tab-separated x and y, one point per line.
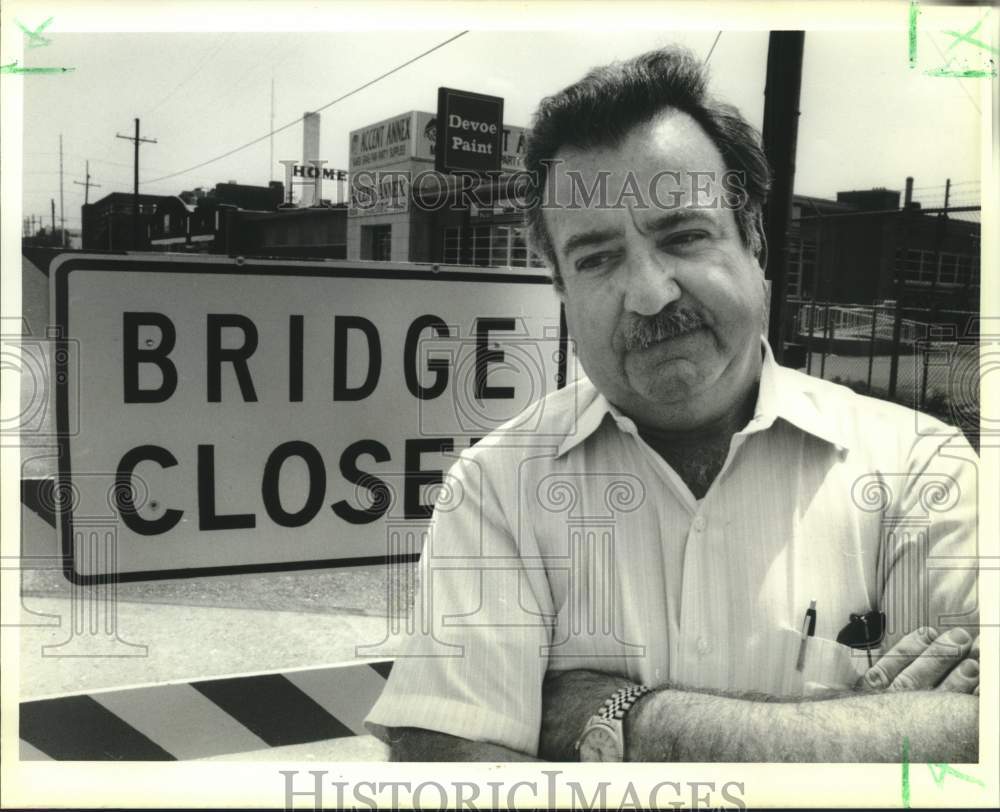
603	737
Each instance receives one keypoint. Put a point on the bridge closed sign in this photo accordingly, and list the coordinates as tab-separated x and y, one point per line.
235	416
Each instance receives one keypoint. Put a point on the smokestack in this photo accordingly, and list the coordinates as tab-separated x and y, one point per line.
310	152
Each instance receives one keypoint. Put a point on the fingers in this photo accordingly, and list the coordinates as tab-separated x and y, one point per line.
881	675
965	678
936	662
962	680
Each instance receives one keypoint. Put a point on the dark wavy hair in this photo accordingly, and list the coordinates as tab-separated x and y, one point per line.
610	101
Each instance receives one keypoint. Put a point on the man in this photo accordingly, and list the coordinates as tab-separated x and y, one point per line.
694	526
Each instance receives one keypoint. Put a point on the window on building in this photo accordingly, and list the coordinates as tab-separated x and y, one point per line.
376	242
480	245
452	246
500	238
916	265
921	267
166	222
518	248
501	246
948	269
974	282
801	266
968	270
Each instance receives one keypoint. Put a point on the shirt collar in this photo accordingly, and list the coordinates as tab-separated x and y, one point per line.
782	393
593	409
789	395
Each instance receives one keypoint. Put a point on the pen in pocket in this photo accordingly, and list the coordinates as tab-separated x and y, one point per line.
808	630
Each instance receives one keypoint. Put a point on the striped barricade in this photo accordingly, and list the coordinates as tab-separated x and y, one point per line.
203	718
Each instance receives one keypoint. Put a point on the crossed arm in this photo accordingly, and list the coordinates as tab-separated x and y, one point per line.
921	699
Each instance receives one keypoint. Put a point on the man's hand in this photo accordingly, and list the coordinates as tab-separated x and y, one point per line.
924	661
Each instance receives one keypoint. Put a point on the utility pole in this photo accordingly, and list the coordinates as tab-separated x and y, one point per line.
900	287
780	135
270	168
947	195
136	140
62	213
52	203
86	184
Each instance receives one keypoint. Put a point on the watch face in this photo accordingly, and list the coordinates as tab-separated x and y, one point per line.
601	743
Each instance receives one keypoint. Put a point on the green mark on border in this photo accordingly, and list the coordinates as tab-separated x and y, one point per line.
13	68
962	74
940	771
967	37
906	772
35	38
956	38
914	13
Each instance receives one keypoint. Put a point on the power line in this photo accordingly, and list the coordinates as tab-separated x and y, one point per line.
82	157
942	185
319	109
190	76
230	93
712	49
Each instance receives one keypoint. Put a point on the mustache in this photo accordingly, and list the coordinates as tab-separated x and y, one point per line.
668	323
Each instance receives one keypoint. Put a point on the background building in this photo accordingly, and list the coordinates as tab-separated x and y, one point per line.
316	231
109	223
864	247
206	221
407	212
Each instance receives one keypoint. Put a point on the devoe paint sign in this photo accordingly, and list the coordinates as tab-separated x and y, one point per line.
470	132
234	415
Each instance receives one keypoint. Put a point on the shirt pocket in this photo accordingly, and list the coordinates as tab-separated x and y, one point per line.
826	666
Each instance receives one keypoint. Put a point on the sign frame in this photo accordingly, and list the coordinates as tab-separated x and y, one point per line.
444	160
65	264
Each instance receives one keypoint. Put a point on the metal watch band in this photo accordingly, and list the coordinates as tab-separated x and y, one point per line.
617	705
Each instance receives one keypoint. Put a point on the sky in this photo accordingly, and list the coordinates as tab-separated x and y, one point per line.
867	119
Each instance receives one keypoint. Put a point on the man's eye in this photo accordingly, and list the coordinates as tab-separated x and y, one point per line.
595	261
684	239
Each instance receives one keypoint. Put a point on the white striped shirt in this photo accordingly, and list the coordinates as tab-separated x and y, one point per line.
579	547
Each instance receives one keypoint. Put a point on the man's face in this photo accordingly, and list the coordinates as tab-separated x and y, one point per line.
662	298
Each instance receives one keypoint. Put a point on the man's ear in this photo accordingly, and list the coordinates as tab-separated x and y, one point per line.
557	283
762	255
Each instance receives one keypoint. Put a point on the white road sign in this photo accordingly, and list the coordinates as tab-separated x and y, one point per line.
235	416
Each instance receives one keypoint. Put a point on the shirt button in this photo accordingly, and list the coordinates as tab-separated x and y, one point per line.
703	646
699	524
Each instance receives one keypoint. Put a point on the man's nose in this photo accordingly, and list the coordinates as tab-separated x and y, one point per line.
651	284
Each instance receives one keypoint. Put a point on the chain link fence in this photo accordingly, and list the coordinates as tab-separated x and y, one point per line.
923	358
